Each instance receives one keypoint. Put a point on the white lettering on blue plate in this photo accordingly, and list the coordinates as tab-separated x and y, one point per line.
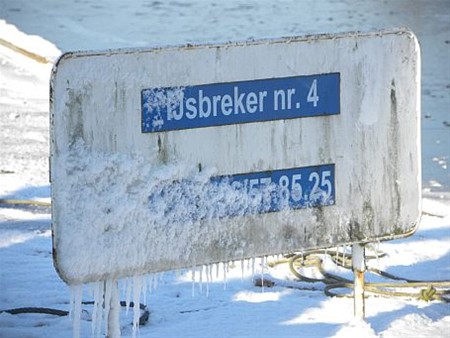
218	104
246	194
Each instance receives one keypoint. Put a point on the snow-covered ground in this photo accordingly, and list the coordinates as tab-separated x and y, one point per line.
233	306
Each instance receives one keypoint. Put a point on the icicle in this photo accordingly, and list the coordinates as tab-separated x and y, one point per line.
201	279
217	270
71	301
225	267
253	267
193	281
107	307
242	270
208	279
137	287
211	272
94	311
114	310
96	325
262	273
76	296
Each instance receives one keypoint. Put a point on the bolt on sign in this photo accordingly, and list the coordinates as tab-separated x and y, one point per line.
174	157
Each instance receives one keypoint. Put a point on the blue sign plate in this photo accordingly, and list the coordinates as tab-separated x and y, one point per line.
246	194
218	104
287	188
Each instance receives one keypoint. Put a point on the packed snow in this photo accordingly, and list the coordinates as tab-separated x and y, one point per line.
220	300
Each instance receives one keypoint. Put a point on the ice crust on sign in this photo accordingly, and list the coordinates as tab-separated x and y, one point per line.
160	99
146	218
108	197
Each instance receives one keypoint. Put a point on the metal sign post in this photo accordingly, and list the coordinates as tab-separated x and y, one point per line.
359	267
182	156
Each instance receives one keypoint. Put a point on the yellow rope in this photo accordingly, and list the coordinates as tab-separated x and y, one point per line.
25	202
24	52
428	290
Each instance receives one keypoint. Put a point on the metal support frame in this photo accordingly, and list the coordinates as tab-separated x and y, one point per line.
359	267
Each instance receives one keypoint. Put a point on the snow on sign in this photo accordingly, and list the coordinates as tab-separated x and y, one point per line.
174	157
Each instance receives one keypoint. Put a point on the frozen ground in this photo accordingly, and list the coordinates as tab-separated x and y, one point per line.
234	308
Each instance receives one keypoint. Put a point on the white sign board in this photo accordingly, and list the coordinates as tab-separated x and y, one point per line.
175	157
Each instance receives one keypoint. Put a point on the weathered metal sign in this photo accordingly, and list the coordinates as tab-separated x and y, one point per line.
181	156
